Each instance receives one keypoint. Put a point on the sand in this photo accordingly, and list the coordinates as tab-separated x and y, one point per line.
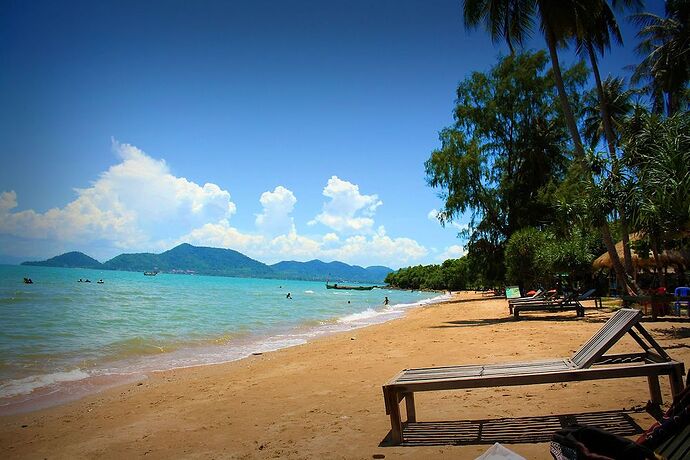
324	400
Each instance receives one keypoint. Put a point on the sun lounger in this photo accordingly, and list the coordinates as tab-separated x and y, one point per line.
538	295
588	363
569	302
590	295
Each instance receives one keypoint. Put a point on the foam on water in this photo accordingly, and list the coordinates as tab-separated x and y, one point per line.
29	384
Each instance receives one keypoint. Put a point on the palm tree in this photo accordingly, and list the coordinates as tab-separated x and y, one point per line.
512	20
619	104
665	48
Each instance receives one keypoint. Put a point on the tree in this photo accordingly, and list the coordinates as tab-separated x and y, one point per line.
665	48
508	143
619	105
559	22
658	153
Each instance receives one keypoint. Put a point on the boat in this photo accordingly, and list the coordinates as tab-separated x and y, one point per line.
353	288
150	273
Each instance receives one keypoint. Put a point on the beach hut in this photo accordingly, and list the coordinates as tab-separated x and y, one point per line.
673	261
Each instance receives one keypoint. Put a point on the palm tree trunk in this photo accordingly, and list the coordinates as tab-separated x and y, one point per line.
611	142
562	94
629	285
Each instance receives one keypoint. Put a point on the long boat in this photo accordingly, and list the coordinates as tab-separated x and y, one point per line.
354	288
150	273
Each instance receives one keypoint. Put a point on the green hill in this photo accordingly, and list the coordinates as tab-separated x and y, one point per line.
186	258
72	259
335	271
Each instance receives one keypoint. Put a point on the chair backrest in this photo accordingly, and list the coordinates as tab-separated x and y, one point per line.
615	328
682	291
587	294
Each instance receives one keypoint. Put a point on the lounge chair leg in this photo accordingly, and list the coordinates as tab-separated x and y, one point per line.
676	380
409	406
396	423
654	389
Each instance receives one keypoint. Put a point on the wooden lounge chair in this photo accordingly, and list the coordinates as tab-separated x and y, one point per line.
588	363
590	295
538	295
569	302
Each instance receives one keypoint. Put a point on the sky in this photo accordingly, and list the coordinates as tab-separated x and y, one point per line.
286	130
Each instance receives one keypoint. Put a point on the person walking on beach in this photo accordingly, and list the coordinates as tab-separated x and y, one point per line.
385	300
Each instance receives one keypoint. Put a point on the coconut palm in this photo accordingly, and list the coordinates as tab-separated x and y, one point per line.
513	21
559	22
665	48
619	104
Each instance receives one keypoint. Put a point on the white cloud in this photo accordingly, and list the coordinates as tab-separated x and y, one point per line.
461	227
348	210
433	215
126	205
275	218
139	205
451	252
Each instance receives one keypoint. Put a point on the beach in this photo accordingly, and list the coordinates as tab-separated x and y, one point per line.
323	399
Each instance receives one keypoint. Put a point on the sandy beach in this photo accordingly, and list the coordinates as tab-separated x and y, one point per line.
324	400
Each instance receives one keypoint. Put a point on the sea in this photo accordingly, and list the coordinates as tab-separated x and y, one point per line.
62	338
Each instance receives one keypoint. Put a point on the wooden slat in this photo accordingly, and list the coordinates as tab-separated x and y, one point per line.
615	328
568	375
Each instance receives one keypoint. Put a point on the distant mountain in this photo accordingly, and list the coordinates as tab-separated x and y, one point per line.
72	259
335	271
186	258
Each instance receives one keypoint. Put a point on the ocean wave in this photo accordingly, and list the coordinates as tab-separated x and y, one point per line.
29	384
360	316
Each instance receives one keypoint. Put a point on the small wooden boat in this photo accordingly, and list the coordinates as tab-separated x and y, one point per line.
354	288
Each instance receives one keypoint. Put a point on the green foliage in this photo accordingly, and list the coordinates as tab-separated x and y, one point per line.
658	151
524	257
536	257
665	49
499	160
453	274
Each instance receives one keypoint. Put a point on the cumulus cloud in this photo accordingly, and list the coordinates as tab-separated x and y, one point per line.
275	218
451	252
433	215
128	203
139	205
348	210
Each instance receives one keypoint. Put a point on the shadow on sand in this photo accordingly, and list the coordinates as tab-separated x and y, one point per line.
512	430
509	319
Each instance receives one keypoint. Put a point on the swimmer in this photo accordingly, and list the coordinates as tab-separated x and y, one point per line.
288	296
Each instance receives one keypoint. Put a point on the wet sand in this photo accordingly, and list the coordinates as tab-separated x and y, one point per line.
324	400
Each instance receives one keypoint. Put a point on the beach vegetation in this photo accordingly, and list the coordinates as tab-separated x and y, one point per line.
541	203
500	159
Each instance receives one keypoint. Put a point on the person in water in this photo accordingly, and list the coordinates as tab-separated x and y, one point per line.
385	300
288	296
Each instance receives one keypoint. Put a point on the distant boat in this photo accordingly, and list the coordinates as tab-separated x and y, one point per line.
150	273
354	288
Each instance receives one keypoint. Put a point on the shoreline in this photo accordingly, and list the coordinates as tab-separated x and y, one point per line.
323	399
76	384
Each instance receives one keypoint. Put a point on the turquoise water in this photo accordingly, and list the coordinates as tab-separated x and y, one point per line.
59	330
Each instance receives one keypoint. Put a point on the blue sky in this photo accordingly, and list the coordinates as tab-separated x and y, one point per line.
285	130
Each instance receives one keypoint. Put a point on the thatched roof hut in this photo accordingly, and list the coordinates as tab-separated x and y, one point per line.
670	257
